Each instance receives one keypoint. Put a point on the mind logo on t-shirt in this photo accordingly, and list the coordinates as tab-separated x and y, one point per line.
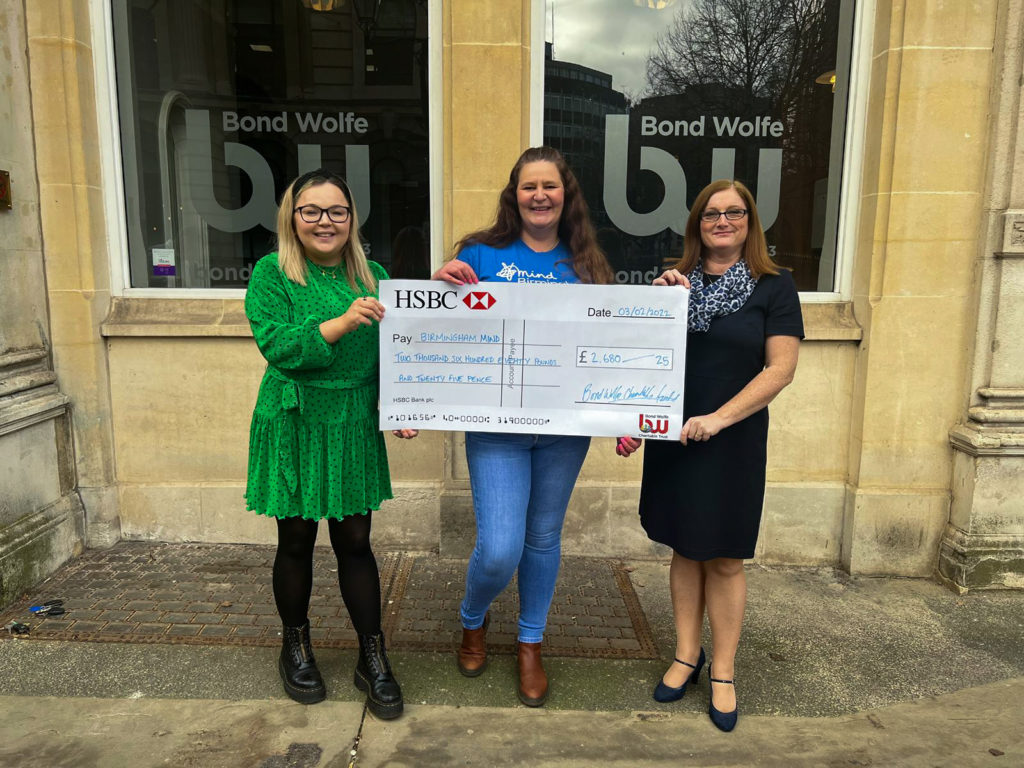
512	273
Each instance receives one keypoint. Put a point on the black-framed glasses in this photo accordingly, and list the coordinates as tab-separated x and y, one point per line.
311	214
732	214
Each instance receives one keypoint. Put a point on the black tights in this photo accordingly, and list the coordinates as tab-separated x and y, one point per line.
357	570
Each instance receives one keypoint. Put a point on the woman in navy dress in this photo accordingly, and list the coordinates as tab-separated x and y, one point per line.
703	495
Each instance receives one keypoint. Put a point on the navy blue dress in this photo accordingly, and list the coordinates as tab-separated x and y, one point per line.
704	499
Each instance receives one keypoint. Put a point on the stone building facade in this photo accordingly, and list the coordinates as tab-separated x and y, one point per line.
898	449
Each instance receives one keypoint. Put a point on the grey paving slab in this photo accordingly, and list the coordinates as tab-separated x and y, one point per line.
819	643
974	727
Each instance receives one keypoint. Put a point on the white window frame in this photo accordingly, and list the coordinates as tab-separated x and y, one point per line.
112	168
853	143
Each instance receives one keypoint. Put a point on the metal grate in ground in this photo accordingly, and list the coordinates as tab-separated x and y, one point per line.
595	612
218	594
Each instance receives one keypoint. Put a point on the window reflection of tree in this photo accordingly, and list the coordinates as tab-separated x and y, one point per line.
750	58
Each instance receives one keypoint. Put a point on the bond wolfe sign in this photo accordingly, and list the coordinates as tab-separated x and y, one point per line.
671	213
261	207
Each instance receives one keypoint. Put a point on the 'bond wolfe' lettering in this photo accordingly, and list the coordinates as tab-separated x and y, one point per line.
261	207
673	211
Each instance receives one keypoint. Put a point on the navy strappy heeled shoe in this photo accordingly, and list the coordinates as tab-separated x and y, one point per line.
665	694
724	721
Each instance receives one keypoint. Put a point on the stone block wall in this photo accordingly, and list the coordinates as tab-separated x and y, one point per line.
41	516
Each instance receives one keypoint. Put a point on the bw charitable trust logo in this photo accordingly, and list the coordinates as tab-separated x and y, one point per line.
653	426
479	300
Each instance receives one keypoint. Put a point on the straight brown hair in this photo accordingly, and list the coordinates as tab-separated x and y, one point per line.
755	249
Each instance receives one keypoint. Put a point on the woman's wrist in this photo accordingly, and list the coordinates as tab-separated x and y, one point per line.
333	329
723	419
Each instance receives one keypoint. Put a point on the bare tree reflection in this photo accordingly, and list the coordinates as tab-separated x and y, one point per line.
749	50
750	58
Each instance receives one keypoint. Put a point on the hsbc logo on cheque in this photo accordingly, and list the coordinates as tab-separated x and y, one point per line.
425	299
479	300
433	299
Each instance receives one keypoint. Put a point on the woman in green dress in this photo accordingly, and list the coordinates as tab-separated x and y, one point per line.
315	450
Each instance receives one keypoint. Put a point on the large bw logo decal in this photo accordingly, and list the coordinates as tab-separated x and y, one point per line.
479	300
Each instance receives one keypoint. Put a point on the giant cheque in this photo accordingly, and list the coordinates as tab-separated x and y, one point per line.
532	357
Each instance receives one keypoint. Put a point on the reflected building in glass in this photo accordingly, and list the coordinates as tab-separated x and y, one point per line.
576	101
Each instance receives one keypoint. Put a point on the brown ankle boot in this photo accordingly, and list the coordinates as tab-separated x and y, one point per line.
533	682
473	651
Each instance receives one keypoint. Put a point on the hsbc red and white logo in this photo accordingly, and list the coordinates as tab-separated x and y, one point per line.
479	300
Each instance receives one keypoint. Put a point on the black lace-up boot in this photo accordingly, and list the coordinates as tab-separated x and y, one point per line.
302	680
373	675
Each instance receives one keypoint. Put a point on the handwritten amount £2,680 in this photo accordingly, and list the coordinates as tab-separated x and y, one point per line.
533	358
624	357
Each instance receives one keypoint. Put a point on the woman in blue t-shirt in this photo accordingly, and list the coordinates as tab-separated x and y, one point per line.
521	483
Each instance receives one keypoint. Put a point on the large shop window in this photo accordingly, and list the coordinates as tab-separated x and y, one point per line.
650	100
223	102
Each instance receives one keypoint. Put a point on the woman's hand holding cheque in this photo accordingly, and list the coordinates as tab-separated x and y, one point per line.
672	277
457	273
627	446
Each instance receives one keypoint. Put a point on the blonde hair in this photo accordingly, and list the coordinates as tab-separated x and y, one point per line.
755	249
291	256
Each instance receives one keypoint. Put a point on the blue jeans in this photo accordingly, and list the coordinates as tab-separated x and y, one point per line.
521	487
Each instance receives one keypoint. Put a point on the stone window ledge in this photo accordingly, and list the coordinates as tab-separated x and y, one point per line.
830	321
131	316
175	317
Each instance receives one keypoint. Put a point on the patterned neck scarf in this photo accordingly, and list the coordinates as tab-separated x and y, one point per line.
724	296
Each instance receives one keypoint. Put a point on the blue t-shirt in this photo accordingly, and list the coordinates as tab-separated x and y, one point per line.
518	263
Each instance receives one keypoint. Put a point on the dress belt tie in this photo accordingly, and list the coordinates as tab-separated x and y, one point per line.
292	401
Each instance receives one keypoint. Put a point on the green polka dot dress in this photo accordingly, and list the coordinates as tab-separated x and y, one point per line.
315	447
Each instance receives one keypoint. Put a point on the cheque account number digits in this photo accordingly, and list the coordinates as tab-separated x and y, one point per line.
532	420
467	419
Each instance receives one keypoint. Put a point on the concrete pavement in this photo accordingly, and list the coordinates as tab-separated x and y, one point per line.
831	672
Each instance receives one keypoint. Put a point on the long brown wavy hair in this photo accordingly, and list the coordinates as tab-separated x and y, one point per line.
755	249
574	228
291	256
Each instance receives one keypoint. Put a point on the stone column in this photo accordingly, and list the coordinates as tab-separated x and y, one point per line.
983	544
486	51
41	519
922	183
71	214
